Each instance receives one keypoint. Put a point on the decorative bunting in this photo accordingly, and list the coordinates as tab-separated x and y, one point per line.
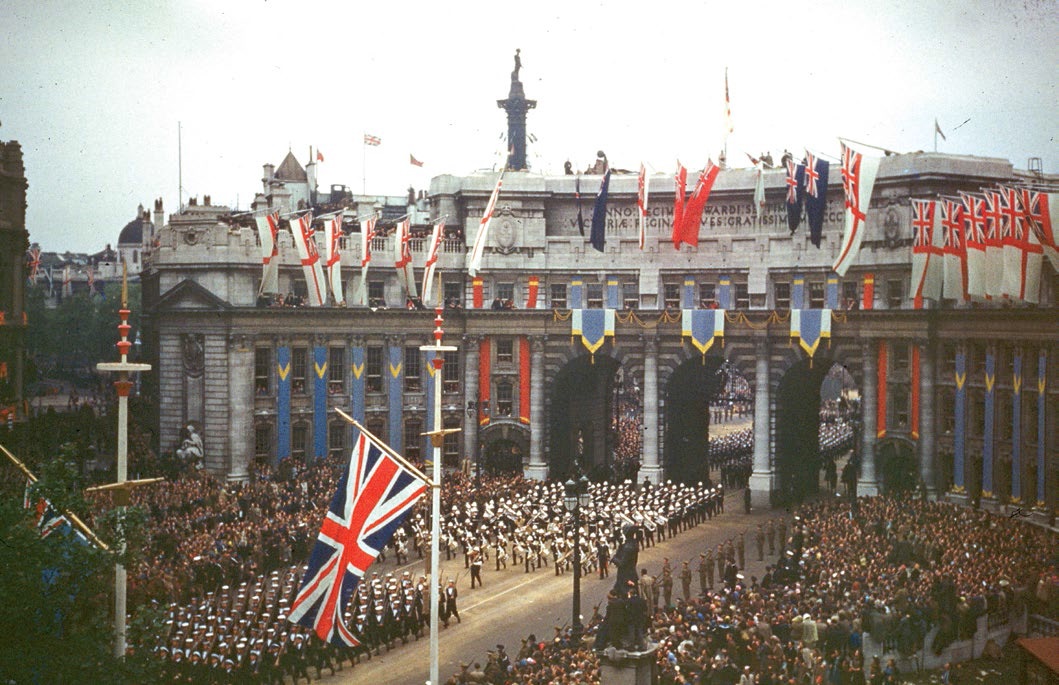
987	417
1016	427
593	326
702	327
810	326
531	292
333	235
367	234
1042	416
305	240
267	230
959	433
858	180
477	292
869	292
485	362
319	402
358	386
914	428
395	385
283	414
524	385
882	369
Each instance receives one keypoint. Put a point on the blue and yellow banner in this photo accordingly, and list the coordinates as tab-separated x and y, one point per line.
1042	375
810	326
576	294
358	385
612	294
319	402
395	382
702	326
831	292
593	326
687	295
959	433
724	292
1016	427
988	414
433	376
798	292
283	381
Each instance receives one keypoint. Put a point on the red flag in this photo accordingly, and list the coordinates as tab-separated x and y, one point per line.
693	212
869	292
319	156
413	161
678	204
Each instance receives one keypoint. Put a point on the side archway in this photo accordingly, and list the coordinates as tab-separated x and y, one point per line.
580	417
689	391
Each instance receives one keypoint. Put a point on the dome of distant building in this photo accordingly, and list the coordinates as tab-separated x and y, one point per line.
132	234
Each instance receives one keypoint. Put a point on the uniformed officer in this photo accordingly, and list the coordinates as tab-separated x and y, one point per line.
759	539
685	581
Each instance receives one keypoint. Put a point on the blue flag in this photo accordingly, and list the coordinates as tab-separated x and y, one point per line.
815	183
577	196
795	194
599	215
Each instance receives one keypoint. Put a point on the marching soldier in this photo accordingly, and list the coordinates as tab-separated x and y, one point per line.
770	531
667	582
705	572
476	567
759	539
685	581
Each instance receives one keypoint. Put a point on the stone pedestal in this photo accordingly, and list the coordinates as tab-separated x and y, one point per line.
536	471
619	667
651	473
761	490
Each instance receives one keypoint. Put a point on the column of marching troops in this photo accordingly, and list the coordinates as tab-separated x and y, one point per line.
241	633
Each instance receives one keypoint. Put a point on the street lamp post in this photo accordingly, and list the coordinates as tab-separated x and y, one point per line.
575	497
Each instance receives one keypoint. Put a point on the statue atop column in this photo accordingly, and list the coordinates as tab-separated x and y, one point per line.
516	105
518	65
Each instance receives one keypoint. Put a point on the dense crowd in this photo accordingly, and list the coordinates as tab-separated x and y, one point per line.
897	569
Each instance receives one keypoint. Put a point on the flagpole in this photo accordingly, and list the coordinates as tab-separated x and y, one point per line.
364	168
386	448
437	440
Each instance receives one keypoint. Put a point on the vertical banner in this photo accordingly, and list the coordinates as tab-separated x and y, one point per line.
524	380
987	431
1042	375
433	376
798	292
395	380
612	294
531	295
687	296
724	293
880	393
914	418
1016	427
869	292
358	385
283	381
959	440
575	295
319	402
831	292
484	362
477	299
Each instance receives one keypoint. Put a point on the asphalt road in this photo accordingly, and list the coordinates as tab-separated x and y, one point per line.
513	604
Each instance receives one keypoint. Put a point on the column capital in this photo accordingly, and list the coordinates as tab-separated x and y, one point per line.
650	343
537	343
357	341
396	340
472	339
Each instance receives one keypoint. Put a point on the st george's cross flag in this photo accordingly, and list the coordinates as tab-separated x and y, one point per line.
367	234
402	254
305	239
431	263
858	180
474	259
333	235
374	495
641	202
267	230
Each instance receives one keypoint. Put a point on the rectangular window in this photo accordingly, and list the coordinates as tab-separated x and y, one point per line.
850	300
412	370
782	295
895	293
900	407
630	293
707	295
505	291
900	359
671	295
299	441
450	451
451	372
816	295
504	404
336	438
594	295
505	351
263	370
373	370
742	296
263	441
336	371
376	293
453	291
413	441
948	361
298	369
557	293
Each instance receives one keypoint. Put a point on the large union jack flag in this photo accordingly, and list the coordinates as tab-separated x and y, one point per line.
374	494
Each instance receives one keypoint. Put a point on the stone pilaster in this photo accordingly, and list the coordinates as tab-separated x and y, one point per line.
241	394
867	483
761	479
927	444
537	468
650	468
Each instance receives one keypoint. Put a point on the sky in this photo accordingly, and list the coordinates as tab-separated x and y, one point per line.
95	90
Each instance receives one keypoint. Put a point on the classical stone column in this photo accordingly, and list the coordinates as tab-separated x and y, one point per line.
470	392
537	468
867	484
927	446
241	399
762	475
650	468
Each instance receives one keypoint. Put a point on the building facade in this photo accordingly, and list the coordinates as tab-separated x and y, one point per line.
961	393
14	239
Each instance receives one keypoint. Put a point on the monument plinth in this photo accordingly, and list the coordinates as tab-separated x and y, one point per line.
628	667
516	105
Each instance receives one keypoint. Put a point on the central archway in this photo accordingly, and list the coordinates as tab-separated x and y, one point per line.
581	412
691	388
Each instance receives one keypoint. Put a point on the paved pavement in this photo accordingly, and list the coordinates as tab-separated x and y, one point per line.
513	604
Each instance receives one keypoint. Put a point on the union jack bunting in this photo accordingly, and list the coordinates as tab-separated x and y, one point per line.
33	263
974	223
372	140
374	494
811	174
1037	209
926	259
954	251
46	517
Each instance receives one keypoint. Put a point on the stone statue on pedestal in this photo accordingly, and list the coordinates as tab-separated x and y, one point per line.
625	559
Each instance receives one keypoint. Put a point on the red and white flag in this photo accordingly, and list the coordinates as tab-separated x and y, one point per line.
974	237
402	256
267	230
1037	207
305	240
68	285
474	260
333	232
432	261
926	258
994	251
954	251
681	190
728	126
858	180
641	202
413	161
319	156
34	263
1012	225
696	203
374	141
1030	250
367	234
